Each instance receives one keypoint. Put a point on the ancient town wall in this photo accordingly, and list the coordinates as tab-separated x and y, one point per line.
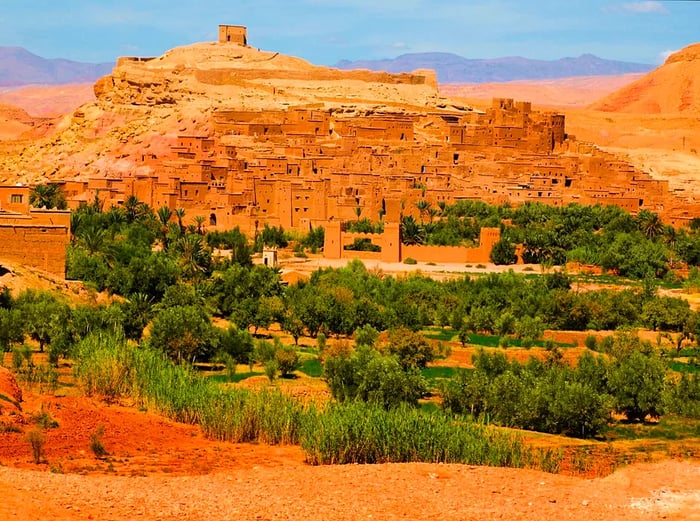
394	251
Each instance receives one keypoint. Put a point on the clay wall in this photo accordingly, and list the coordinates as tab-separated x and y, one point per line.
233	34
14	199
37	239
394	251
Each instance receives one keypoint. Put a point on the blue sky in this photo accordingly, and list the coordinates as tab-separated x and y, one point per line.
326	31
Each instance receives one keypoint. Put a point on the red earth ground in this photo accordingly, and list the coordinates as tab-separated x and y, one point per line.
159	469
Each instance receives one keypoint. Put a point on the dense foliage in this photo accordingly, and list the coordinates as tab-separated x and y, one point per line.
605	236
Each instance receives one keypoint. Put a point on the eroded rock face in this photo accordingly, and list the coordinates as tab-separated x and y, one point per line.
9	389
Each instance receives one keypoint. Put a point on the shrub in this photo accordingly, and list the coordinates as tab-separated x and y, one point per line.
287	360
591	342
36	439
536	396
410	260
43	419
271	367
637	382
237	344
412	349
367	375
96	445
366	336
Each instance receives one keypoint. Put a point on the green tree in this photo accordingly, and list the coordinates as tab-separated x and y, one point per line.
194	256
11	331
43	315
503	252
48	196
636	383
287	360
236	343
183	333
367	375
412	349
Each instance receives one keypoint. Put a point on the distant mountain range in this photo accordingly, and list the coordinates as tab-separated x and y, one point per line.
18	66
451	68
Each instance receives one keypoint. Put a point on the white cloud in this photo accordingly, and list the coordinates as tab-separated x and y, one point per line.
644	7
663	55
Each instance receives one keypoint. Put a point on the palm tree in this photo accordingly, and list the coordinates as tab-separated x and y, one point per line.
358	212
47	196
411	231
195	257
164	214
180	214
650	224
199	221
135	209
423	207
93	239
432	213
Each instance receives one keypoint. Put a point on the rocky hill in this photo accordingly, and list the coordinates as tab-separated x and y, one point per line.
451	68
145	103
18	66
673	88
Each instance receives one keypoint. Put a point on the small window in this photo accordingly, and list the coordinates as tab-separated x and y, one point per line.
16	198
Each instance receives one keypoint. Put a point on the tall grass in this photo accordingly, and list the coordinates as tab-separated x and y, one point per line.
335	434
365	433
108	366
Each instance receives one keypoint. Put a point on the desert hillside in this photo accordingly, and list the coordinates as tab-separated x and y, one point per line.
48	101
146	103
562	93
673	88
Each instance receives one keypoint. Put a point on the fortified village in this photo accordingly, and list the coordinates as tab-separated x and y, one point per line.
322	158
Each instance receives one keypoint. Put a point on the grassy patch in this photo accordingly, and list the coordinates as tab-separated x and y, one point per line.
669	427
364	433
494	341
238	377
682	367
444	335
311	367
337	433
437	372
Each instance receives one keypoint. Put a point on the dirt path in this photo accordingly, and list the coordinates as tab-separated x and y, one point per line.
158	469
356	492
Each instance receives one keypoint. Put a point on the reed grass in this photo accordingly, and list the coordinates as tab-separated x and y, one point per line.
365	433
334	434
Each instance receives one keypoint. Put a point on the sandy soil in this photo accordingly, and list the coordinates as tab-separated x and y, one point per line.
379	492
158	469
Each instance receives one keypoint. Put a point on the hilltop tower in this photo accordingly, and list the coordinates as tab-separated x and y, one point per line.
233	34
